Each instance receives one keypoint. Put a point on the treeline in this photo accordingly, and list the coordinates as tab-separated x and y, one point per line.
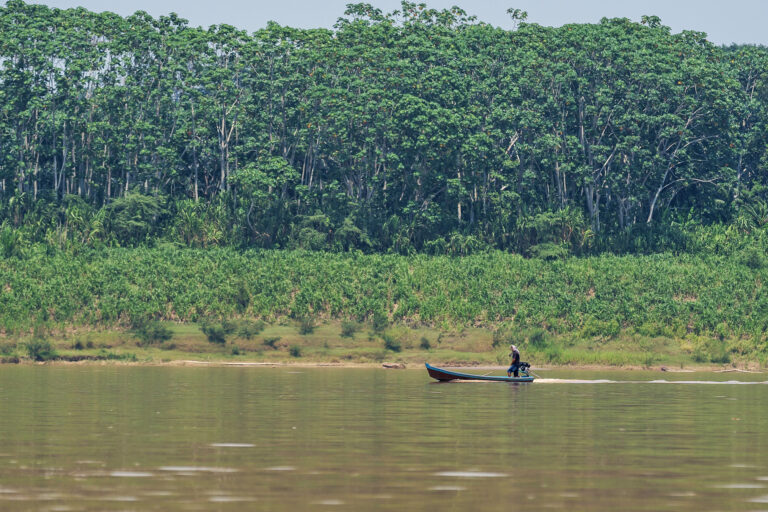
417	130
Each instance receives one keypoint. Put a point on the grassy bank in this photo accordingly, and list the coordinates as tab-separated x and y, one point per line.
284	343
629	310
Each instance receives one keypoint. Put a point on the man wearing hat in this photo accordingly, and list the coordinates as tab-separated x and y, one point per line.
515	355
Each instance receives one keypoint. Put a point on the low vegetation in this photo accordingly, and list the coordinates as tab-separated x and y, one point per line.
602	310
151	332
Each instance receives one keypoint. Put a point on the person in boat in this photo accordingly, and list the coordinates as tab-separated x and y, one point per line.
515	367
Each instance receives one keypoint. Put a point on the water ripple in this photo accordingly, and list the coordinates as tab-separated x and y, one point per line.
658	381
131	474
194	469
470	474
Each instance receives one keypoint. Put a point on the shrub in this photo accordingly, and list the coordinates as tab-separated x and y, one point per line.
379	355
295	351
391	343
595	328
380	321
500	337
649	359
721	331
348	328
425	345
229	327
271	341
40	349
548	251
651	329
7	348
149	333
306	326
236	350
78	345
216	333
752	258
114	356
133	218
11	242
553	355
537	337
242	298
707	350
248	330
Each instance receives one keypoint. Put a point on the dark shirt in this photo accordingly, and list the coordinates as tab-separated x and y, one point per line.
515	357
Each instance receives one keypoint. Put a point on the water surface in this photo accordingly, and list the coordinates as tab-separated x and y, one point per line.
148	438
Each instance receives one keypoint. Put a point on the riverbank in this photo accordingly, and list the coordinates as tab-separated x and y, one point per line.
354	345
164	304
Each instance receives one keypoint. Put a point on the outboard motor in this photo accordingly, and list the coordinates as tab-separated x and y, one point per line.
524	369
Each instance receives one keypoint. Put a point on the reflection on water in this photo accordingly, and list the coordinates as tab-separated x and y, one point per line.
118	438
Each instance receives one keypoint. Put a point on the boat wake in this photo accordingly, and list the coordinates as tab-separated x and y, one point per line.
661	381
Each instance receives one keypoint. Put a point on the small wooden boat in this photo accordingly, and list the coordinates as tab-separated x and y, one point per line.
445	375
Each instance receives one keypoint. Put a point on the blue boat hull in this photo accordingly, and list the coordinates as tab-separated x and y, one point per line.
446	375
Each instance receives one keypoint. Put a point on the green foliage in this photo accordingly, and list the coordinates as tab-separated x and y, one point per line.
548	251
271	341
501	337
554	355
133	218
349	328
306	326
229	327
115	356
40	349
536	337
216	333
11	242
594	328
429	132
425	344
380	321
242	298
151	332
753	258
668	296
707	350
649	360
295	351
391	343
247	329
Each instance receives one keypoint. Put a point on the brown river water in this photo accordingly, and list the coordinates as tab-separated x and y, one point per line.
286	439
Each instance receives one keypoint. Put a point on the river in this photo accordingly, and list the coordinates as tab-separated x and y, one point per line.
285	439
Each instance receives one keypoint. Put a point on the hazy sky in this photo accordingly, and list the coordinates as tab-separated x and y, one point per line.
740	21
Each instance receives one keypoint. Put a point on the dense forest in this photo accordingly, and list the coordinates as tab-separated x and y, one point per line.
419	130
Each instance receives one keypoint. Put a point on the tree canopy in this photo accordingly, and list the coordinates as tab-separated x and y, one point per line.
415	130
